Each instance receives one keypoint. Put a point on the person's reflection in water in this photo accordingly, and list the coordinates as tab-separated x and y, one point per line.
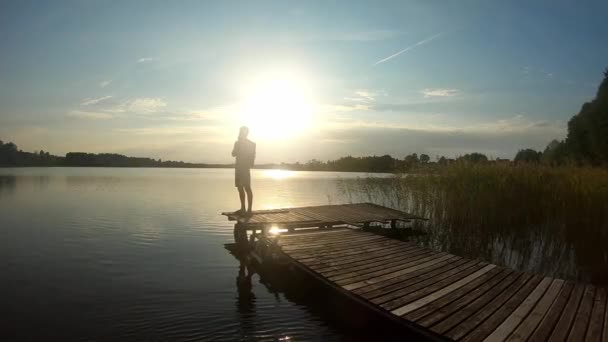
246	297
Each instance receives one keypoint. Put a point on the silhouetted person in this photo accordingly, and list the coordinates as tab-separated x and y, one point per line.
244	152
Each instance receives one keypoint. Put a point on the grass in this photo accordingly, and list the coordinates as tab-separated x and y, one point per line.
551	220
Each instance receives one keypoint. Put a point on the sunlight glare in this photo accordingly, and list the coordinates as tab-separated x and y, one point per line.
274	230
278	174
277	107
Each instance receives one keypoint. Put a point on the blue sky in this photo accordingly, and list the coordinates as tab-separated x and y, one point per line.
167	79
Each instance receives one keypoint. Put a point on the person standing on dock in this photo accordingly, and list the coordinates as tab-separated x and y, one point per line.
244	152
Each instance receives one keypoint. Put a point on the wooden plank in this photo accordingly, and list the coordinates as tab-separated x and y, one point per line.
347	260
456	326
502	312
360	281
596	322
581	321
354	277
511	322
438	310
320	234
312	213
396	259
402	280
320	242
381	269
548	323
424	274
313	233
527	326
334	253
358	240
565	322
394	299
461	321
341	248
329	234
347	256
445	290
440	257
396	253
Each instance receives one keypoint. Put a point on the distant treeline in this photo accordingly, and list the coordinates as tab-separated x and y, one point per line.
10	155
386	163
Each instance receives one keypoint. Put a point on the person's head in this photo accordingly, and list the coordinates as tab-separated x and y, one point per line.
243	132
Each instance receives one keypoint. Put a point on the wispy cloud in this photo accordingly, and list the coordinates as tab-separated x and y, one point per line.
424	41
104	84
439	92
144	105
147	59
91	115
89	101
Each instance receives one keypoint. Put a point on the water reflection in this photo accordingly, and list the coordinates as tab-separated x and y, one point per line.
8	183
135	253
279	174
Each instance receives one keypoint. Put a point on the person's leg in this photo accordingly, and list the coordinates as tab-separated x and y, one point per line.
249	198
242	197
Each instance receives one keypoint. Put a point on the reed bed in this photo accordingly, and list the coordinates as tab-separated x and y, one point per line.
551	220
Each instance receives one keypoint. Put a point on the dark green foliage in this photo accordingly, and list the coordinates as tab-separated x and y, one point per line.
474	157
10	155
528	156
587	139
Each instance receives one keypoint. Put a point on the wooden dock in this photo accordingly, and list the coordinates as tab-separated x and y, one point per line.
321	216
438	295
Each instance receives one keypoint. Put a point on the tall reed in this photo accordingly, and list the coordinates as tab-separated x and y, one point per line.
530	217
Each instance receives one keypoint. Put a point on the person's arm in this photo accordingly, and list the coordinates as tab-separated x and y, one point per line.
234	149
253	156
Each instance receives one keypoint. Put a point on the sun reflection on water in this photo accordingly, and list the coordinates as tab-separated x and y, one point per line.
278	174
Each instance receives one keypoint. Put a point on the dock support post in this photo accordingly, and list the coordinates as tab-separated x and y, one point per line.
393	224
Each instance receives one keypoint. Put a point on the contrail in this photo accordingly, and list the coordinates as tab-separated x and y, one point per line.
424	41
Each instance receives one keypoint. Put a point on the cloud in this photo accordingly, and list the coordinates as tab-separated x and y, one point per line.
424	41
147	59
89	101
499	138
104	84
105	108
144	105
439	92
90	115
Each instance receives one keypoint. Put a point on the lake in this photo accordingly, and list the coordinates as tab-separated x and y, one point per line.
108	253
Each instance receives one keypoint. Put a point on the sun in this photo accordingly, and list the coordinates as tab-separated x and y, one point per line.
277	107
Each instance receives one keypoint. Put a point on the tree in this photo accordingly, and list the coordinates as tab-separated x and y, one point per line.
412	158
528	156
424	158
474	157
587	139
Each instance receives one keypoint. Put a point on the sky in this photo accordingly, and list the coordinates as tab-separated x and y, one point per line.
312	79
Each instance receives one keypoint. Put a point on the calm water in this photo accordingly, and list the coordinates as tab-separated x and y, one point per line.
99	253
